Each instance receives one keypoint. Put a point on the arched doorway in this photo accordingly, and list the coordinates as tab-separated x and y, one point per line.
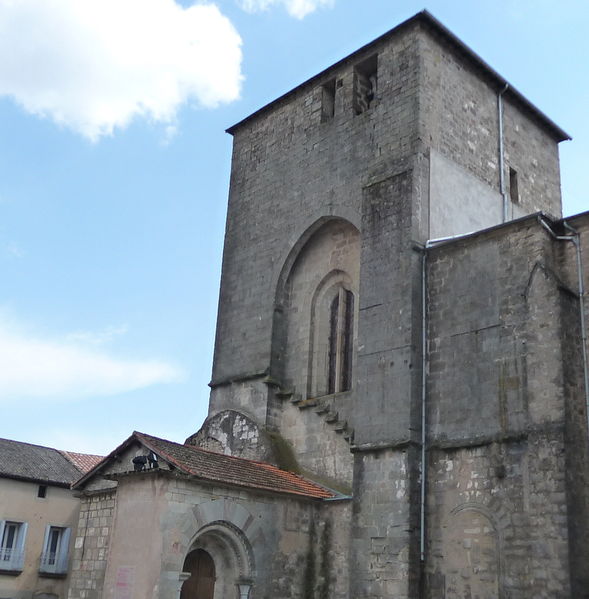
219	563
201	584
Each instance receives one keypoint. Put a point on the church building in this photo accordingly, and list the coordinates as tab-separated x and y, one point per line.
399	393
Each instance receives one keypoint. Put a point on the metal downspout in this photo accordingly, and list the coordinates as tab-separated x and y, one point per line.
424	366
575	239
423	399
502	153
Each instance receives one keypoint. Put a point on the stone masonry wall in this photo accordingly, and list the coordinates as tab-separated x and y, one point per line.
91	545
291	168
495	520
294	548
459	118
577	463
498	506
385	526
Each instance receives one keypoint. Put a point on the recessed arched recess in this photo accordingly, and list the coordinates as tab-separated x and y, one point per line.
219	564
472	544
315	315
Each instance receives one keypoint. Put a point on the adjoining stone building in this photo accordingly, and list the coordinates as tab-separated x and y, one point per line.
400	320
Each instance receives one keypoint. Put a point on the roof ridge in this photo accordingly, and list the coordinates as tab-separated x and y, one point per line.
201	449
67	451
80	460
61	451
210	466
30	444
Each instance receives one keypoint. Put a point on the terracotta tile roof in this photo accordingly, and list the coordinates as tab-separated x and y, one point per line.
35	463
84	462
212	466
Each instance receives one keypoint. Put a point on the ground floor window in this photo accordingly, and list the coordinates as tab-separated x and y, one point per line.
12	545
55	550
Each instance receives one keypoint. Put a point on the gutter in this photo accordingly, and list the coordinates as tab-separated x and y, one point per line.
37	481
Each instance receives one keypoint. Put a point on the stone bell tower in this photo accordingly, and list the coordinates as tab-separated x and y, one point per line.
336	187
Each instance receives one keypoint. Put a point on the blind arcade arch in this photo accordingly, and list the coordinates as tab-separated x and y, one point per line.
315	321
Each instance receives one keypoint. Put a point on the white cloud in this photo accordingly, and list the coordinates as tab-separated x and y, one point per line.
295	8
94	65
54	369
14	250
97	337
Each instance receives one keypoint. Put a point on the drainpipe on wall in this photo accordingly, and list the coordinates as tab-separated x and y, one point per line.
424	366
423	400
575	239
423	248
502	154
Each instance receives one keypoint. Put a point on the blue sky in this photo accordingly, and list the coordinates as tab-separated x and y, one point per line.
114	172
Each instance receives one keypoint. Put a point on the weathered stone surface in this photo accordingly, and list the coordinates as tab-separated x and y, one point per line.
335	191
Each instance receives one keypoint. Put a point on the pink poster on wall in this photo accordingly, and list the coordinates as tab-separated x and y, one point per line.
125	581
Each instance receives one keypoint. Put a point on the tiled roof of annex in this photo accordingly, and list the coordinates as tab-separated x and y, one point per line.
36	463
217	467
84	462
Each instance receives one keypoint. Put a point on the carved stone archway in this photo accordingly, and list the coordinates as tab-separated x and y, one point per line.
232	563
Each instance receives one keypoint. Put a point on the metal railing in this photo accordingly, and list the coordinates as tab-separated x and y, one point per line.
53	563
11	559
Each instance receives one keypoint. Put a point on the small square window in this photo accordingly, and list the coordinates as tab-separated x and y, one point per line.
42	491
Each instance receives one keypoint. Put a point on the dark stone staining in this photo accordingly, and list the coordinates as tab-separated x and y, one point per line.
284	456
317	582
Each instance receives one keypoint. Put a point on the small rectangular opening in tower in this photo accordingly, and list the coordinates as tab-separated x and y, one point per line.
365	80
513	190
328	100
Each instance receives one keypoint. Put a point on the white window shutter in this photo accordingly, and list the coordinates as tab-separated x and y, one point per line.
64	550
43	560
19	560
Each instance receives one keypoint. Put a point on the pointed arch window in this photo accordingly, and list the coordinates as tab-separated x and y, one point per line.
341	341
333	333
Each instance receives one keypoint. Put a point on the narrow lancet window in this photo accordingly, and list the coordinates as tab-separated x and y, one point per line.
341	342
